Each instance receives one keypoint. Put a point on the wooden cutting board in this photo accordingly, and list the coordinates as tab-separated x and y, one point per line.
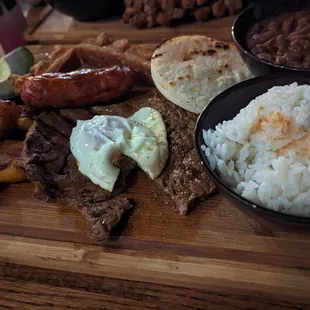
214	258
214	248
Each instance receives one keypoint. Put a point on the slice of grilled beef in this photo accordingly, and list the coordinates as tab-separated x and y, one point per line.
51	167
183	177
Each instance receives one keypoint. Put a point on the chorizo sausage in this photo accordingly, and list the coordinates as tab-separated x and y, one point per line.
76	89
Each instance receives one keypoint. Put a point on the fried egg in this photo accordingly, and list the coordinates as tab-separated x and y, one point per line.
96	142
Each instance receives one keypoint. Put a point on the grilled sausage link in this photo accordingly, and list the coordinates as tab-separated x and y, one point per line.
76	89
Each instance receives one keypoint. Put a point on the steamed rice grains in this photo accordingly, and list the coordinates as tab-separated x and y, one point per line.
264	152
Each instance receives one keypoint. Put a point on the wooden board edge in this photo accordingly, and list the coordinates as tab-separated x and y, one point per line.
178	271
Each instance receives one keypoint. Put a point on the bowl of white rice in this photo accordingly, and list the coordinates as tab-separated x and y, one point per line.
254	141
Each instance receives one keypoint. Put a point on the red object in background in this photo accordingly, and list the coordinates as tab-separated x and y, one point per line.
12	25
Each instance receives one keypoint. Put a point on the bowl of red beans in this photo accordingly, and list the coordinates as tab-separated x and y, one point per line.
274	36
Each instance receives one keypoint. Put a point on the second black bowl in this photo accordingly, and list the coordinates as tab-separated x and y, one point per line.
256	12
225	107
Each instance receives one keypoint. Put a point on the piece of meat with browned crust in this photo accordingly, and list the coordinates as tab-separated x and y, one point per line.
54	172
72	115
103	39
63	59
102	209
57	52
144	51
59	61
58	178
9	115
186	183
95	56
76	89
183	177
100	52
52	120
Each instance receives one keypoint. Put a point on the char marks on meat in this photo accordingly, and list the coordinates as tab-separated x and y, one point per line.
54	171
183	178
103	51
76	89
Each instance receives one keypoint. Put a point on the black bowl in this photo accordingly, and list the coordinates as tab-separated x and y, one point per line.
225	107
255	13
85	10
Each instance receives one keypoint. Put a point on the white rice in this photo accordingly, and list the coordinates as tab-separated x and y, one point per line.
264	152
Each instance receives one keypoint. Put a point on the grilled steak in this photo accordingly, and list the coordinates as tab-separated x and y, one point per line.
53	170
183	178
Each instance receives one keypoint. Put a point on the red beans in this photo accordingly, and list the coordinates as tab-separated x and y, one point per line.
259	48
284	39
281	41
280	60
288	25
295	56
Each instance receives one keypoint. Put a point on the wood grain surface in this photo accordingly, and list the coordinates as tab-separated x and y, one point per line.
215	249
214	258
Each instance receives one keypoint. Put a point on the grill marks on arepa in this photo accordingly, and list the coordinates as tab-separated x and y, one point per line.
191	70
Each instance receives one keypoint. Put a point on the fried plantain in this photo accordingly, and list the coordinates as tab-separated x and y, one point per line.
24	123
11	165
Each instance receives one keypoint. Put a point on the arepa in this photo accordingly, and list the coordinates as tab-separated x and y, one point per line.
191	70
